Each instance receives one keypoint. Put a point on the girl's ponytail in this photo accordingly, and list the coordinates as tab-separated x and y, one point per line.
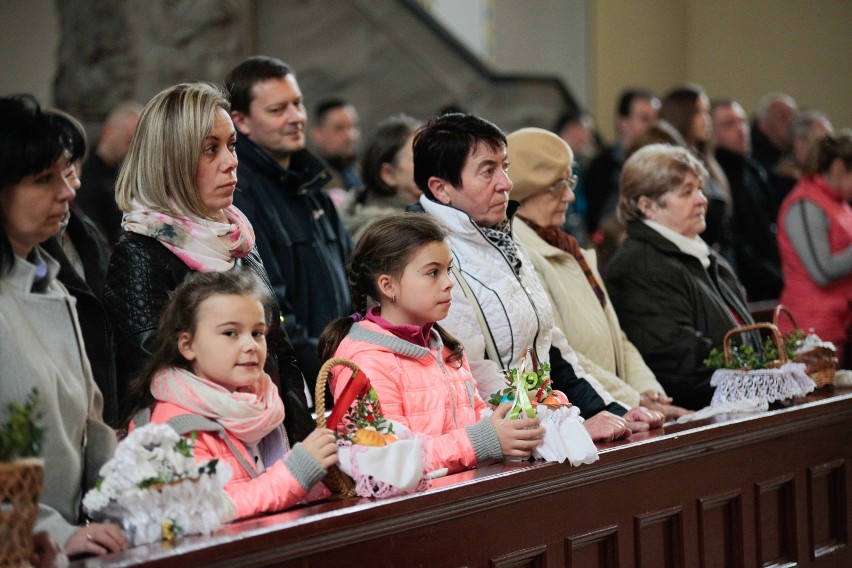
331	336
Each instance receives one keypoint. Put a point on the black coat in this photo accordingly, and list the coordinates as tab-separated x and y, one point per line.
87	290
753	226
302	241
142	273
96	197
673	310
601	186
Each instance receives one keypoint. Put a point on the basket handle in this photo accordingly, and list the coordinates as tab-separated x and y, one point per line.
776	337
530	352
357	386
781	308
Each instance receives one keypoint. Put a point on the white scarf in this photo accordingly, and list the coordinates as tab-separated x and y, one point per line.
695	246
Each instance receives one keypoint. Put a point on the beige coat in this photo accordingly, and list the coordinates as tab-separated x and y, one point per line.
41	346
594	333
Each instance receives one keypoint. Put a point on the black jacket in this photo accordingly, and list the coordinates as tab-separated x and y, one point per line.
753	227
94	323
601	186
302	241
97	197
142	273
673	310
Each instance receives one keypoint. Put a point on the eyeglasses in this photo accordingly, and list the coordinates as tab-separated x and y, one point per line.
563	185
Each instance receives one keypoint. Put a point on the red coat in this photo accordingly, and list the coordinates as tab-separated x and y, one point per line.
826	309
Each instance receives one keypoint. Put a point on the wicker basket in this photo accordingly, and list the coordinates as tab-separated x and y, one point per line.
776	338
780	380
820	362
340	484
20	488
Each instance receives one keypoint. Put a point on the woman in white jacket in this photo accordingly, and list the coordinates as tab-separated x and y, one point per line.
499	306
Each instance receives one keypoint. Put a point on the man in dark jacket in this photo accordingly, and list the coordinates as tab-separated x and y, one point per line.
753	223
303	243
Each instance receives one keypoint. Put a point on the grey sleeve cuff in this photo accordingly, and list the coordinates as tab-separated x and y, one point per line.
304	467
484	439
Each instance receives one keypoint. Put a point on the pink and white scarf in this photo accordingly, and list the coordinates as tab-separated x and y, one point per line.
248	416
203	245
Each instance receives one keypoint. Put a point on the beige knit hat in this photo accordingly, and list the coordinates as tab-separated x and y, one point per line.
537	160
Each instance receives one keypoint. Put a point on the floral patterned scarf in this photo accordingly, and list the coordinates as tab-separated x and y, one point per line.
202	244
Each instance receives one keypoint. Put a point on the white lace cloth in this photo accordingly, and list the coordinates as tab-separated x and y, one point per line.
386	471
768	385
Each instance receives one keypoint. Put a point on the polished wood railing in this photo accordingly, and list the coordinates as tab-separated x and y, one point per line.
764	489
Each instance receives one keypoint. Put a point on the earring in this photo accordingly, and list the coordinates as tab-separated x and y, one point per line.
393	299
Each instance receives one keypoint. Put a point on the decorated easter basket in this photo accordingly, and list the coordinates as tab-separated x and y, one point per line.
378	458
340	484
532	396
780	379
20	486
820	361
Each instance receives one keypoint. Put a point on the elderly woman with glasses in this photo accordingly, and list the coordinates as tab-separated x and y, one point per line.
674	296
540	170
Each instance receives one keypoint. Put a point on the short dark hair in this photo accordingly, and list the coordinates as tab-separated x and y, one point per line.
326	106
442	147
630	95
247	74
31	141
567	117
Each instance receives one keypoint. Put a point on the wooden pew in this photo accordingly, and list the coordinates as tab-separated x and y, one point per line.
770	488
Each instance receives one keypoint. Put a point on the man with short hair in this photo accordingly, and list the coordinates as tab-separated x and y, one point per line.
636	113
301	240
335	134
97	190
770	130
754	209
499	306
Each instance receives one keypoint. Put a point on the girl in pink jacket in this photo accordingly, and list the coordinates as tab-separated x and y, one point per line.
400	267
206	376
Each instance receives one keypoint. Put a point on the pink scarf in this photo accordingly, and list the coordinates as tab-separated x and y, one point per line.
248	416
203	245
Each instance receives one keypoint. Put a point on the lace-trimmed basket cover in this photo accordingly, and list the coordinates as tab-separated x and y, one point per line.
782	380
820	361
369	471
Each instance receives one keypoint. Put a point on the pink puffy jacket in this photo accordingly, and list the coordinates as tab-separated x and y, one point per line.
418	389
252	492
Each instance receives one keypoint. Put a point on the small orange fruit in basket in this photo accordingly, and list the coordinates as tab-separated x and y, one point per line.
551	401
367	437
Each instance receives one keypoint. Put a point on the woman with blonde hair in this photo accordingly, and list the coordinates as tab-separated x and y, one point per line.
176	190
